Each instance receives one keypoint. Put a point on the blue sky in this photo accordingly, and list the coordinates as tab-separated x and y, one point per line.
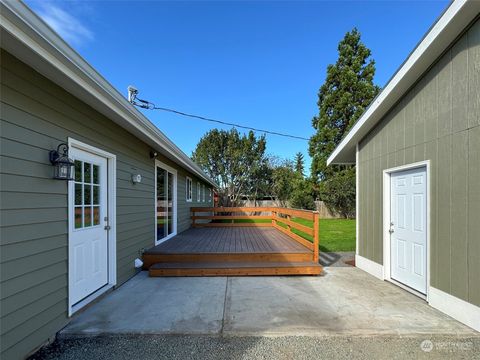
255	63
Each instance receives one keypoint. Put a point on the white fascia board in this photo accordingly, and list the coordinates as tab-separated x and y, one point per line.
447	28
30	39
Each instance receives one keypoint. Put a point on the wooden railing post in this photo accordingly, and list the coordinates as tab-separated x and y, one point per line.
289	218
274	214
316	235
193	217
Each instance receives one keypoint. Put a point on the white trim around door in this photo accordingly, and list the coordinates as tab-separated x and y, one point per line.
386	223
173	189
357	198
110	222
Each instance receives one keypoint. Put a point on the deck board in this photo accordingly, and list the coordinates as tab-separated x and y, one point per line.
231	240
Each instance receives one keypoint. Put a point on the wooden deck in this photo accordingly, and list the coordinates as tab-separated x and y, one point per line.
230	240
232	249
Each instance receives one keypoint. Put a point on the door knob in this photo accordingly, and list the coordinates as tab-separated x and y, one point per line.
107	227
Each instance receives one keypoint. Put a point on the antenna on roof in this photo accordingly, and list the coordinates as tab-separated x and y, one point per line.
132	94
132	99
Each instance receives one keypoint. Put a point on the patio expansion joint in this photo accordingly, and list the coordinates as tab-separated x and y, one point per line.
224	306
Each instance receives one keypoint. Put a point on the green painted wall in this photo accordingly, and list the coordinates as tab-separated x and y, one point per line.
36	115
437	120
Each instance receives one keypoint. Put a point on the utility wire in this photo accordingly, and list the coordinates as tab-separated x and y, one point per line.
151	106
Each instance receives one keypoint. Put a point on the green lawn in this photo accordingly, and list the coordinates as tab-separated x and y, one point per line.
335	234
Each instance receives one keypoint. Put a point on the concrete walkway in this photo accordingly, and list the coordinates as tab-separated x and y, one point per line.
346	301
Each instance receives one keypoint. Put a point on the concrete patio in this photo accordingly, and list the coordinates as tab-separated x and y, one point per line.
346	301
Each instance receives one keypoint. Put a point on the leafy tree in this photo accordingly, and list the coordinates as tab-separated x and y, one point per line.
338	192
283	176
302	194
299	163
260	184
290	187
236	162
342	99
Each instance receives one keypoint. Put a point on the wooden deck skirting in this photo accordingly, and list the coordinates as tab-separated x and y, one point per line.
275	214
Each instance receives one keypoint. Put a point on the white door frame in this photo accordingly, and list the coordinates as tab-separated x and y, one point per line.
164	166
112	233
386	223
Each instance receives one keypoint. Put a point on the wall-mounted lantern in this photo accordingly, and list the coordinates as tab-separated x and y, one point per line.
63	165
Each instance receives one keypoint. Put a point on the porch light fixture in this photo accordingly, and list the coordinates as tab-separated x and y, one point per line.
63	165
136	178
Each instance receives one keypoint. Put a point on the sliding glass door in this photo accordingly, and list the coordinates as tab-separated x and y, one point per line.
166	202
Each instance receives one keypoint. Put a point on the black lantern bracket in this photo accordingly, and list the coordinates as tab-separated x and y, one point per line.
64	166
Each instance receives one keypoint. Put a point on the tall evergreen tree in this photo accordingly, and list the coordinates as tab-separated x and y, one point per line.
299	163
346	93
342	99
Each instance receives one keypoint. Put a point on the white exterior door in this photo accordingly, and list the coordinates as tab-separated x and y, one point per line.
408	228
88	241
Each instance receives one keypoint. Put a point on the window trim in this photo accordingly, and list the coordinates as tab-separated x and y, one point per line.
188	190
199	197
173	171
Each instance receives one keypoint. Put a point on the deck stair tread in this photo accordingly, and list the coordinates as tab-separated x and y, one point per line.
229	265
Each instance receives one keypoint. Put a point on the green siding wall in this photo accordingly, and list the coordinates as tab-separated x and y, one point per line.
437	120
36	115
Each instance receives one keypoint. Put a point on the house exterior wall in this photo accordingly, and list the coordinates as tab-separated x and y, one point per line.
37	115
437	120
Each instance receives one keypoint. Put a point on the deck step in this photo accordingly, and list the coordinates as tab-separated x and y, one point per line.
150	257
234	268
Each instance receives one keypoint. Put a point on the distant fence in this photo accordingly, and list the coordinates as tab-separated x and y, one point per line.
321	207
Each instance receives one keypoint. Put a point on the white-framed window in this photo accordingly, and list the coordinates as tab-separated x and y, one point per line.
203	192
209	194
198	192
188	189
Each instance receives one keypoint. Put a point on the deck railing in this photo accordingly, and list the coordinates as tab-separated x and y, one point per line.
280	218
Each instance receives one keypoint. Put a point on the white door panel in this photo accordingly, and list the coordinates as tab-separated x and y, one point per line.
408	228
88	236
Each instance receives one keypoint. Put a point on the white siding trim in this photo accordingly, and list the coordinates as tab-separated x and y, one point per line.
369	266
357	191
458	309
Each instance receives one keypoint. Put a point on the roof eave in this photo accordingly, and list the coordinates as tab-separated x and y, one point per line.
29	38
443	32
